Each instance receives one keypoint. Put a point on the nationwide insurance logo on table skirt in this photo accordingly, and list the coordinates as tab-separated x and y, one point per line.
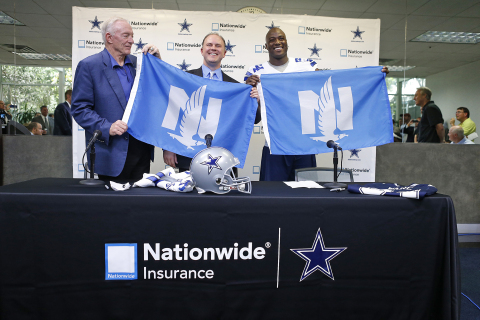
121	261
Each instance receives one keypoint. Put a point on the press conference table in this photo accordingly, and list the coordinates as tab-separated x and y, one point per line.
401	260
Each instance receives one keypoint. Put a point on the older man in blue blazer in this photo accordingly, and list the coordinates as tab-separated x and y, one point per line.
101	90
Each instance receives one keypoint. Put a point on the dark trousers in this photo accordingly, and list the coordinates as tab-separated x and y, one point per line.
282	168
136	164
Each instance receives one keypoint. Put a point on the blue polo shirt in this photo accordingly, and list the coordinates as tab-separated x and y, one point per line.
124	74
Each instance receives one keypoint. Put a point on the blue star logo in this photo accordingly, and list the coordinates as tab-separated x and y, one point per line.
212	163
354	152
95	23
272	26
184	66
358	33
229	47
140	45
315	50
185	26
318	257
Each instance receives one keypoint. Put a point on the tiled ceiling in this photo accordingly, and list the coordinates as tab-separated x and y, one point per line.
49	23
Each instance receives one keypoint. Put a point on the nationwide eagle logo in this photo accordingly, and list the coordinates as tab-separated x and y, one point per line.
330	122
318	257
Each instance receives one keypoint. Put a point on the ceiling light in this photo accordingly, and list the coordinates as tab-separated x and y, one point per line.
399	68
45	56
448	37
6	19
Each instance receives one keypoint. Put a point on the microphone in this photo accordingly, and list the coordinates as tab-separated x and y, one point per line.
97	134
208	140
332	144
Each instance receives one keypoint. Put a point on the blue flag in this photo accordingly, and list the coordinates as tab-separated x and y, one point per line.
174	110
301	111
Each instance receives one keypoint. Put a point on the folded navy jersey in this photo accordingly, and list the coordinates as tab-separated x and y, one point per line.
413	191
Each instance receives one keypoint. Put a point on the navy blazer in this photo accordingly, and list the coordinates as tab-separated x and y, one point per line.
63	120
97	102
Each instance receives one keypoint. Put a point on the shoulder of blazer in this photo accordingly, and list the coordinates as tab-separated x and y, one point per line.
197	72
227	78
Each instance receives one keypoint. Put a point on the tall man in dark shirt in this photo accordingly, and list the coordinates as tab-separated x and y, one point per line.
431	125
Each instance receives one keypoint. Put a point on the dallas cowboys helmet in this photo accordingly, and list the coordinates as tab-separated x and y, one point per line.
212	171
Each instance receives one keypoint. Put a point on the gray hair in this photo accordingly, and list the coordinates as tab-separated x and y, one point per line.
107	26
426	91
32	125
458	131
214	33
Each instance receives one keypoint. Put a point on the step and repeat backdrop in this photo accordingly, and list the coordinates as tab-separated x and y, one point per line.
333	43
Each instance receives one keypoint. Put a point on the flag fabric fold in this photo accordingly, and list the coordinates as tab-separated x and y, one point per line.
174	110
302	111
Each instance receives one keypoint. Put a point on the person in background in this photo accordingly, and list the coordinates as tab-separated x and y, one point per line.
431	123
46	122
35	128
63	117
463	115
457	136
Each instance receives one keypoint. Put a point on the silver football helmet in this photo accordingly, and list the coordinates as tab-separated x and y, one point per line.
212	171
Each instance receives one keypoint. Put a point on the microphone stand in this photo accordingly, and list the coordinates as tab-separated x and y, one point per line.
92	181
335	184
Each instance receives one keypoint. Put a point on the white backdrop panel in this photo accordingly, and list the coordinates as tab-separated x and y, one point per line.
334	43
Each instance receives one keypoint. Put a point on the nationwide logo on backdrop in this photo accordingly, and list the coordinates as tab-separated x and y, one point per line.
315	51
95	25
318	257
232	68
353	53
121	259
357	35
185	28
90	44
227	27
184	66
179	46
313	31
142	25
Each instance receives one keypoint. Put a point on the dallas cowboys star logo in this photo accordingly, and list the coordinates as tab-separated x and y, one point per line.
318	257
95	23
272	26
185	25
354	152
315	50
184	66
140	45
358	33
212	163
229	47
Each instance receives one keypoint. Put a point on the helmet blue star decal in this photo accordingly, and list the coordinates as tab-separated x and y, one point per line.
229	47
212	163
318	257
185	26
272	26
354	152
95	23
140	45
184	66
315	50
358	33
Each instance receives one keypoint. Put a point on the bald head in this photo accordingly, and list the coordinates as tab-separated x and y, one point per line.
276	42
456	134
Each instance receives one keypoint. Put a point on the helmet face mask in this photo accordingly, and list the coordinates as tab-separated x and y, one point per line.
212	171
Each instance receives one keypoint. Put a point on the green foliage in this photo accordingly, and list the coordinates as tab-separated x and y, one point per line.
32	87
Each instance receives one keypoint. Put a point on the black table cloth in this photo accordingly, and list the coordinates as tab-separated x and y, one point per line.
225	256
